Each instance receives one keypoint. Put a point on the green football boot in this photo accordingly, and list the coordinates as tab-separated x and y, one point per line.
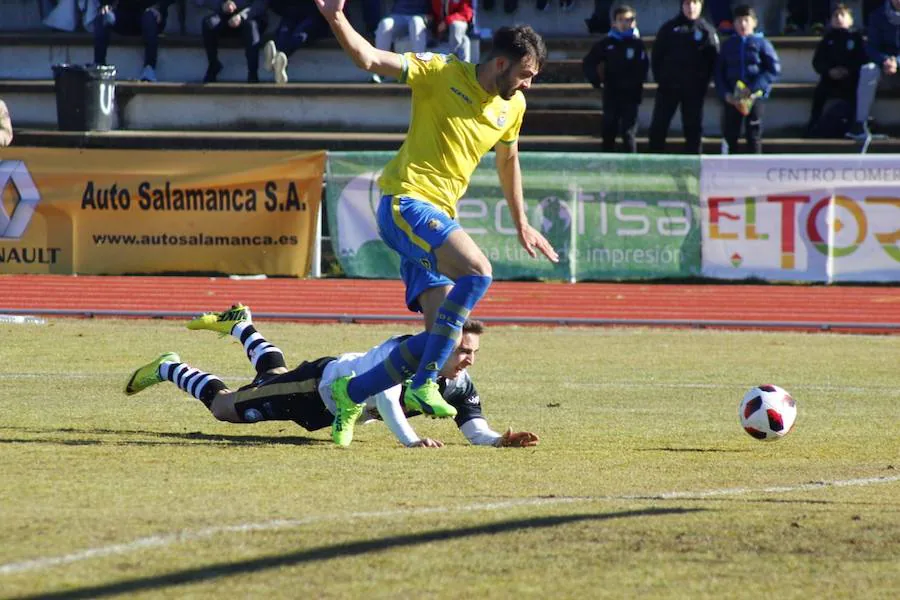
346	414
427	400
149	375
223	322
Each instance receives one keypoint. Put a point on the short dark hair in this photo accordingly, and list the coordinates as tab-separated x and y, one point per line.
473	326
744	10
517	42
840	7
621	10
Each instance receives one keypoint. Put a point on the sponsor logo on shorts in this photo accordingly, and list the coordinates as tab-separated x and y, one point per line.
435	225
425	263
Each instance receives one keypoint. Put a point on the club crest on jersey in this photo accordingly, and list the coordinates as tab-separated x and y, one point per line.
424	56
851	44
698	35
629	53
501	120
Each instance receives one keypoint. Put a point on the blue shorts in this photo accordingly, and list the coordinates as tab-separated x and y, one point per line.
413	229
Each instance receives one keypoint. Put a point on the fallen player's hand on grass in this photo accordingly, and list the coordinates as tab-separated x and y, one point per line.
518	439
427	443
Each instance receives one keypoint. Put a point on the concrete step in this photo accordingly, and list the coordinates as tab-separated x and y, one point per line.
562	122
182	59
366	107
332	140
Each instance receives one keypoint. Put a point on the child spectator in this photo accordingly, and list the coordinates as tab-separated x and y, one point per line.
232	18
883	48
618	65
451	20
683	58
146	18
746	69
838	58
301	24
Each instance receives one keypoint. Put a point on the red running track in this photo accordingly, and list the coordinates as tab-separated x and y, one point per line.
840	308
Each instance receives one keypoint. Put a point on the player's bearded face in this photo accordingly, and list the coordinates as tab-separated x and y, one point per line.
515	76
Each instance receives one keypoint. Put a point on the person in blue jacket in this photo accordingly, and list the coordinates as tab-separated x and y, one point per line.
618	65
883	48
745	71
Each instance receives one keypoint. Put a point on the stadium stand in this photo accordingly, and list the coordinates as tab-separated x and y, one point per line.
321	107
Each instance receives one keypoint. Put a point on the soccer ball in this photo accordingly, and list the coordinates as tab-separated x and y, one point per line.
767	412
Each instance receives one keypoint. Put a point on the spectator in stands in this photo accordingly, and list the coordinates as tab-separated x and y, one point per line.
683	57
146	18
564	5
618	64
883	48
747	67
838	58
803	13
407	17
6	131
232	18
301	24
451	21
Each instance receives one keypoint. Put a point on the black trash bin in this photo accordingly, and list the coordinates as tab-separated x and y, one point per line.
85	97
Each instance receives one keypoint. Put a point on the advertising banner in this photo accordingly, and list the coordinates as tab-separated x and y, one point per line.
801	218
608	216
145	211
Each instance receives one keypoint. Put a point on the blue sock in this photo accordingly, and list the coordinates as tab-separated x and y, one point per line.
399	366
447	328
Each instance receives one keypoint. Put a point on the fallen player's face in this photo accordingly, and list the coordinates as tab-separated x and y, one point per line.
516	76
463	356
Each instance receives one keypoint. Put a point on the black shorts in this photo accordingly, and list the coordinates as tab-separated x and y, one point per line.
292	396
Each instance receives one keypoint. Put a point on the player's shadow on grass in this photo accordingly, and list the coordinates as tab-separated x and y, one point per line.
91	437
348	549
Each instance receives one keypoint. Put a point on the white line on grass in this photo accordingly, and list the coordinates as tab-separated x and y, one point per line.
157	541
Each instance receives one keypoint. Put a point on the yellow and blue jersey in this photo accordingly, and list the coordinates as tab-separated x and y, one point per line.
454	123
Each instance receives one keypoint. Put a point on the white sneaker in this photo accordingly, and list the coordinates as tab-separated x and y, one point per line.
376	78
148	73
280	65
269	51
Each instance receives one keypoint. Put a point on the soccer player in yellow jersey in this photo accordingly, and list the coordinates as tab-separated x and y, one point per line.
460	111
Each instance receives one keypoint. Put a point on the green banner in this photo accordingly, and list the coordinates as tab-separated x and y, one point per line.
609	216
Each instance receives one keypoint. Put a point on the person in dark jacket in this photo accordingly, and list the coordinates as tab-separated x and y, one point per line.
883	49
301	24
747	67
618	65
244	18
838	58
682	60
146	18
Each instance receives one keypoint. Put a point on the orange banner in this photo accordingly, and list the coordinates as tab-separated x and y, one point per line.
110	212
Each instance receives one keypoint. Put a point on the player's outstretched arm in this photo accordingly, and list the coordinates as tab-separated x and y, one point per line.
511	181
364	55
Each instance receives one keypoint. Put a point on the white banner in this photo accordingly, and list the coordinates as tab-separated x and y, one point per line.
801	217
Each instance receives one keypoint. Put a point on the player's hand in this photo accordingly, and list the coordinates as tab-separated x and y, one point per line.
890	65
105	9
530	238
228	7
427	443
235	21
518	439
329	8
441	28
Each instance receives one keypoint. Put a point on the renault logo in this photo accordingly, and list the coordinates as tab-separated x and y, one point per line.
16	173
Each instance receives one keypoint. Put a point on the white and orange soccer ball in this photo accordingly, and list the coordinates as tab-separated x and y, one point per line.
767	412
